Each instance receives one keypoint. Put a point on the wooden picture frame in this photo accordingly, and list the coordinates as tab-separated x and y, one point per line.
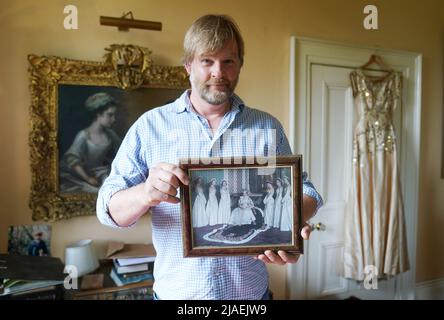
60	89
247	222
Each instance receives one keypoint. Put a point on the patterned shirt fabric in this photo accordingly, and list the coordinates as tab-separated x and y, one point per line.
175	131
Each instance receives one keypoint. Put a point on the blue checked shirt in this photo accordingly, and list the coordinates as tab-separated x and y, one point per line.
175	131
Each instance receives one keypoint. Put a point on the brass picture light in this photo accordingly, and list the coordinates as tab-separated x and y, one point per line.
127	21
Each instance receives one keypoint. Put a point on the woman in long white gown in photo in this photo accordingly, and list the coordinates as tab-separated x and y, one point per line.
278	204
286	219
244	213
212	204
199	214
269	205
224	213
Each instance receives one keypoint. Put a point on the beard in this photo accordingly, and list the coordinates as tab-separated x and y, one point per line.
212	95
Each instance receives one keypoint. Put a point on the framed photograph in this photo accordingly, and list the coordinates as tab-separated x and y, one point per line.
80	112
31	240
242	206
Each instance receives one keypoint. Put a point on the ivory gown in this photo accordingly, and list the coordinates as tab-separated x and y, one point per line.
375	223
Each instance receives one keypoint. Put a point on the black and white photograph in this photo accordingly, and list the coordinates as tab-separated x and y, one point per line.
243	207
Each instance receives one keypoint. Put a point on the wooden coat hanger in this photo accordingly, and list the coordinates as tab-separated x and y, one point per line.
375	59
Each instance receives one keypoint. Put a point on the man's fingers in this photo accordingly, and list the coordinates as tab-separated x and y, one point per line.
162	183
157	196
168	177
273	257
164	187
281	258
183	177
305	232
172	199
263	258
288	258
178	172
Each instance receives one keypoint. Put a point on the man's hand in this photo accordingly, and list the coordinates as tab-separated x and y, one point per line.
162	183
127	206
282	257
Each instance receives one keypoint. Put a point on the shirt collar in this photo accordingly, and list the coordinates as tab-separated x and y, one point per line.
183	103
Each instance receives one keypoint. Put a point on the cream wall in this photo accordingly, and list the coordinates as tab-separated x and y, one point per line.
28	26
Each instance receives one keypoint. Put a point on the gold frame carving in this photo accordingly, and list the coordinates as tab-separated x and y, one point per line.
124	66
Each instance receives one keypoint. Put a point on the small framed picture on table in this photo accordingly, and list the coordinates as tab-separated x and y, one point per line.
242	206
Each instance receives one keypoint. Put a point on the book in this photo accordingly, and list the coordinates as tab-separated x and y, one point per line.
121	281
48	293
131	268
33	291
14	266
20	287
138	273
133	261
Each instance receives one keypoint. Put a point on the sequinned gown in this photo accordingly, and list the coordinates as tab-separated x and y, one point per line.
375	223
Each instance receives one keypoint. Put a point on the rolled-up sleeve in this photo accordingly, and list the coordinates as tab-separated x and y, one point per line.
309	190
129	168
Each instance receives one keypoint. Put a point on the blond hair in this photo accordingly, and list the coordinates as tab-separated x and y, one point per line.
209	34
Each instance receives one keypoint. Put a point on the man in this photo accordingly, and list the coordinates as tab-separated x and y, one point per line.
145	174
37	247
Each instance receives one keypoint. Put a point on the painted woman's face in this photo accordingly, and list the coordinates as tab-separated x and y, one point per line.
278	183
224	183
107	117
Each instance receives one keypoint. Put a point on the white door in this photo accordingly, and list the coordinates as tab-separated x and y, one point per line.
331	135
322	113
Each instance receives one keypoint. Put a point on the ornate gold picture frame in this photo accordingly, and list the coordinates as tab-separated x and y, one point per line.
64	94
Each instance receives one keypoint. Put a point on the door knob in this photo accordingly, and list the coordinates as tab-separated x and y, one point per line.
318	226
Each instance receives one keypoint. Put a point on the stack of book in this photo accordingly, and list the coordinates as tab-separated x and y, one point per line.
132	270
132	263
108	290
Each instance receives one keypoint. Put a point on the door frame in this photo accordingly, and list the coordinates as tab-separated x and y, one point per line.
304	52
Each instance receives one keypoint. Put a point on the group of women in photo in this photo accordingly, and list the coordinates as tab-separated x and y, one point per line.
277	205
